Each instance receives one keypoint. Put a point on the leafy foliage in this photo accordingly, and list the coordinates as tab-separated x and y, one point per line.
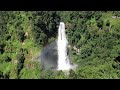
20	58
96	34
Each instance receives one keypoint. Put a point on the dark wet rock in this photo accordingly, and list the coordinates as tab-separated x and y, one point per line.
49	56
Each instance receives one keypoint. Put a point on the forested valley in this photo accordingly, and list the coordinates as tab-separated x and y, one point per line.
93	36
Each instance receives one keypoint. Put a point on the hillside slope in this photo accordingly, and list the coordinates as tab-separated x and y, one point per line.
24	34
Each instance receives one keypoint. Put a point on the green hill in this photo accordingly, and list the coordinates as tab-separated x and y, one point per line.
24	34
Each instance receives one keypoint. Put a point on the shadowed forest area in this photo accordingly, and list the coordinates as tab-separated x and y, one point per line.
93	36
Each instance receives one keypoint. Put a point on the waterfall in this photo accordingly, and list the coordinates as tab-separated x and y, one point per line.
63	60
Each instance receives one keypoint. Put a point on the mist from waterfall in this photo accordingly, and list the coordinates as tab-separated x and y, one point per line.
63	60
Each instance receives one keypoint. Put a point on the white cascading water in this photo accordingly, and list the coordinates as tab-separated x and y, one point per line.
63	60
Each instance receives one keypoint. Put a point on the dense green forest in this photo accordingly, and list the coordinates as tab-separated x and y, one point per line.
24	34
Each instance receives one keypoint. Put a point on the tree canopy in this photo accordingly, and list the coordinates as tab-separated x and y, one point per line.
24	34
